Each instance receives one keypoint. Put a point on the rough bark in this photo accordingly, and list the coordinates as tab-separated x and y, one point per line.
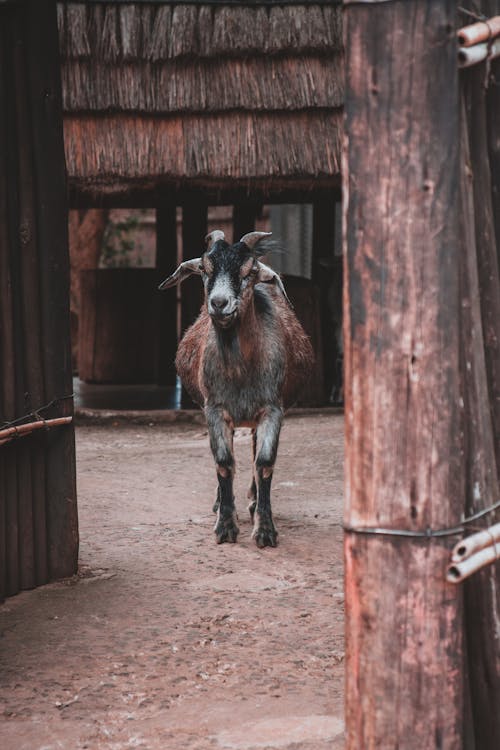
403	462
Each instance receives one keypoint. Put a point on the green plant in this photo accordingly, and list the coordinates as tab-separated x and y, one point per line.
119	242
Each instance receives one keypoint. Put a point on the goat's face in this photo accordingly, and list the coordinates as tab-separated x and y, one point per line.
229	273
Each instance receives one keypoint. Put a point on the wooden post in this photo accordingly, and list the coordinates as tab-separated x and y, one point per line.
194	230
48	166
244	217
403	460
166	261
486	245
493	124
482	592
327	274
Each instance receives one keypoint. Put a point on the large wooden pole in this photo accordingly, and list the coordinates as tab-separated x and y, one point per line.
401	330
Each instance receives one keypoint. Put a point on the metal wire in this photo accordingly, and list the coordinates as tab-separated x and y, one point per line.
36	412
428	533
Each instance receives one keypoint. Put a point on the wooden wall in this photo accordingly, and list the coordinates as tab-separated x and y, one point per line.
38	515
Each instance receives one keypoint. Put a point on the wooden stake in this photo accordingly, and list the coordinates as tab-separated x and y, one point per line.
404	682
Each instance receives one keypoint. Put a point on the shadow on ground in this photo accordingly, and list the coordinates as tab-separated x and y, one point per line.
166	641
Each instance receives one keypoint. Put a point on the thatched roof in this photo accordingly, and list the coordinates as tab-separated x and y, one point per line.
179	92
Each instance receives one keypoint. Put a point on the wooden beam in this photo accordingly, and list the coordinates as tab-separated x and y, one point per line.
222	193
404	681
40	42
166	262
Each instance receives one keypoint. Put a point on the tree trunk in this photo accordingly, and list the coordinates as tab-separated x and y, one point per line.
404	654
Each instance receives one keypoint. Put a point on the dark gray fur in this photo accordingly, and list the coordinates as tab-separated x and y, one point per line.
237	360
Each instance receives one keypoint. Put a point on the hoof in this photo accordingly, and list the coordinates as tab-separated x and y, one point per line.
264	533
226	529
251	508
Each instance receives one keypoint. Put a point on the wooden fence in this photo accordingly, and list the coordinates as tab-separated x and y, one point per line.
422	169
38	519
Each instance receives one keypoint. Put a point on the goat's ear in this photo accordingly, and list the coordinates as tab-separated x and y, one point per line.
185	269
268	276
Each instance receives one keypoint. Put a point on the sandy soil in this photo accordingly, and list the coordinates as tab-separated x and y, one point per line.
167	641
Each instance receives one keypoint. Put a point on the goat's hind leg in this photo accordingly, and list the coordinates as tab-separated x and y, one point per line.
221	443
252	490
268	432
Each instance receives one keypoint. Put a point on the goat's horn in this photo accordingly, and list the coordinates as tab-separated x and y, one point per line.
182	272
252	238
214	237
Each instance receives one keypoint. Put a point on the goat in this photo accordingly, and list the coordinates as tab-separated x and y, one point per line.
244	361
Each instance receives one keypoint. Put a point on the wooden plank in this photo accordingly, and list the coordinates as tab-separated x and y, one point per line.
38	473
12	376
32	390
166	260
404	683
486	244
41	50
3	531
493	125
482	592
8	502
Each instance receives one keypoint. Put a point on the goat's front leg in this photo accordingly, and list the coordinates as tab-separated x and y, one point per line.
268	433
221	443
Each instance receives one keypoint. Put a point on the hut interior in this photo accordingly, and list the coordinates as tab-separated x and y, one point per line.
185	108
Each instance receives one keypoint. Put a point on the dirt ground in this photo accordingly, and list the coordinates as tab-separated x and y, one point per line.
167	641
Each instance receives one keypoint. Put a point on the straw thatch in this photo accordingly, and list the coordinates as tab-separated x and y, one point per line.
165	91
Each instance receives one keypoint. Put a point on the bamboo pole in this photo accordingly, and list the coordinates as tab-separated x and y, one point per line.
468	56
10	433
472	544
404	651
460	570
479	32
